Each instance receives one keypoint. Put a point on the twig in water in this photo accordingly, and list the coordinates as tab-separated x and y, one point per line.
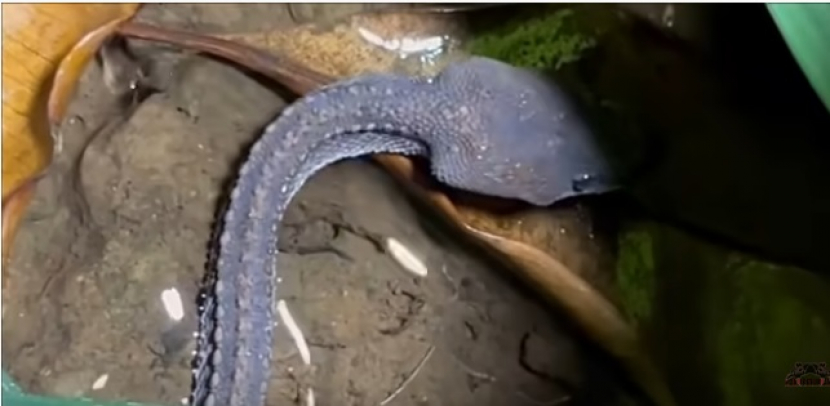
453	283
411	376
294	330
472	372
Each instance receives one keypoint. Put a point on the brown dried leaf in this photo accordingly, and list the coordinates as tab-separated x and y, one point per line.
45	50
37	38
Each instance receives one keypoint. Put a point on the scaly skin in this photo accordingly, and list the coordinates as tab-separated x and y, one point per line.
487	128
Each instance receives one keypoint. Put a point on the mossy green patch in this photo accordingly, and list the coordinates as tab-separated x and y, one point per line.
635	273
763	318
545	41
728	327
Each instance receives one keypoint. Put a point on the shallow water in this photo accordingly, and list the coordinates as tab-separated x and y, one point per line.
100	294
89	307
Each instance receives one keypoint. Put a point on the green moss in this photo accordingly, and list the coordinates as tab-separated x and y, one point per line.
635	274
725	326
762	321
542	42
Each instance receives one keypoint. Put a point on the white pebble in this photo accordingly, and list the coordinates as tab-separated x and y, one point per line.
172	301
405	257
100	382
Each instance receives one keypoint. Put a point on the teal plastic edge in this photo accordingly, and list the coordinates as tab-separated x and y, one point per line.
14	396
806	30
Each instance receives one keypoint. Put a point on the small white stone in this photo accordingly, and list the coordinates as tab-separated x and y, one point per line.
101	382
405	257
172	301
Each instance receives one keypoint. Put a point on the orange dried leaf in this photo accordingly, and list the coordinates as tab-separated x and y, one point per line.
45	49
36	39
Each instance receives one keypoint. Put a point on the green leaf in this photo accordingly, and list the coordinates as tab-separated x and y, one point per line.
806	29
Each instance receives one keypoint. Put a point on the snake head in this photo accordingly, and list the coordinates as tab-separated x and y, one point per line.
526	138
